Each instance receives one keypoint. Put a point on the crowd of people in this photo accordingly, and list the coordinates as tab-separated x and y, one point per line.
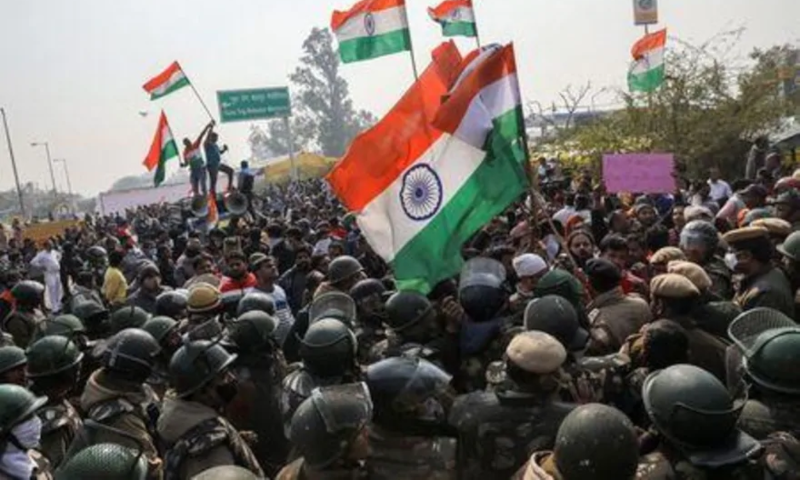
589	336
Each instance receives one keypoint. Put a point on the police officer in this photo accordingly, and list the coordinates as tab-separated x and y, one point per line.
22	321
787	207
149	281
260	369
53	369
259	301
95	318
116	395
497	430
712	314
197	436
769	345
109	461
328	353
129	316
203	308
594	441
172	304
763	284
343	273
165	331
369	297
20	431
790	264
694	419
409	436
97	262
699	240
66	325
613	315
13	365
329	431
673	297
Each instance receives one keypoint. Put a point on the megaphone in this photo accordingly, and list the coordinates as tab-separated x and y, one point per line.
199	206
236	203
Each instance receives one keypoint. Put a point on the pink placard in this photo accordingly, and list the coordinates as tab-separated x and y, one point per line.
639	173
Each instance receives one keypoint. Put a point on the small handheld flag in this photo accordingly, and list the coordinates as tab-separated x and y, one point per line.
371	29
166	82
456	17
647	70
162	149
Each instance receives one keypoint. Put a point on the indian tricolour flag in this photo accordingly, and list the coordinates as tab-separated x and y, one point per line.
166	82
372	28
419	193
647	71
162	149
456	18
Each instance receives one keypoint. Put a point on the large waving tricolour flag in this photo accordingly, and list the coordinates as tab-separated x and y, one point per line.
372	28
647	71
456	18
166	82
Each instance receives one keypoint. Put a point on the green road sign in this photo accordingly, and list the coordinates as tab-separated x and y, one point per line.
253	104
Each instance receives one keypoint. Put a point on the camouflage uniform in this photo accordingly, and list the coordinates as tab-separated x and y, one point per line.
200	439
297	387
60	424
613	316
476	360
770	289
368	336
720	276
596	379
257	407
497	431
21	325
127	408
396	456
778	460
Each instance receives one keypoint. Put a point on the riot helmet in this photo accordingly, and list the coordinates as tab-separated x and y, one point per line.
12	365
172	304
256	301
52	355
196	364
406	309
17	404
333	305
253	331
344	269
131	353
328	349
480	288
129	316
109	461
28	293
555	315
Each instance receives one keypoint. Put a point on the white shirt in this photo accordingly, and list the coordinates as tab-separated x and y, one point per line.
719	190
562	216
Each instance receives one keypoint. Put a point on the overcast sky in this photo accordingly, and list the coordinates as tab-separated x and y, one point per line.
72	70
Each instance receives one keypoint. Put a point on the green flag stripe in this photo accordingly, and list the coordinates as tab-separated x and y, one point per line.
175	86
365	48
435	253
456	29
168	151
647	81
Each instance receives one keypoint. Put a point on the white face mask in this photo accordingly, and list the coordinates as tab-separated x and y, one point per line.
28	433
731	261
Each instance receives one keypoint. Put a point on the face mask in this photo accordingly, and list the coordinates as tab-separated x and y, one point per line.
731	261
28	433
227	392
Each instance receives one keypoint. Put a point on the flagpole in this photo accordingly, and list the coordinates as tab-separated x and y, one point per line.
191	84
411	48
475	19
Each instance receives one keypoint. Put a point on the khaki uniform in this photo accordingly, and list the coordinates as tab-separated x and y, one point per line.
21	325
613	316
125	408
770	289
199	439
60	424
497	431
400	457
778	460
541	466
720	276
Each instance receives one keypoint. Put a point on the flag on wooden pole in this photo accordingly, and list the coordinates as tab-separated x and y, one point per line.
166	82
456	17
371	29
162	149
647	70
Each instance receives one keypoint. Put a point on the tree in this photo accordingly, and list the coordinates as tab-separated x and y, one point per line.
325	116
274	141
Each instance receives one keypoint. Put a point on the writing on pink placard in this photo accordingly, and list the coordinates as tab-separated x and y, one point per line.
639	172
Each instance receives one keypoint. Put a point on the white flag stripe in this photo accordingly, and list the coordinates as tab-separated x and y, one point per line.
493	101
652	59
461	14
384	21
176	77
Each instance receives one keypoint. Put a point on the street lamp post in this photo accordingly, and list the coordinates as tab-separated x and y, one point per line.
13	163
66	171
46	146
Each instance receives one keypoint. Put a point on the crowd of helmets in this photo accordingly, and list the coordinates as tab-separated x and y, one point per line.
617	337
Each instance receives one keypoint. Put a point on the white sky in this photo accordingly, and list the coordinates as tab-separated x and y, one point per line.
72	70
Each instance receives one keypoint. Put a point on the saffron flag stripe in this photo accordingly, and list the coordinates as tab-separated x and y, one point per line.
341	17
385	21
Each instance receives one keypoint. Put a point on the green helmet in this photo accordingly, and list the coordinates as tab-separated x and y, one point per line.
109	461
770	344
196	364
11	357
160	327
52	355
92	314
328	348
28	292
325	425
66	325
16	404
226	472
253	331
562	283
127	317
556	316
336	305
343	268
690	406
791	247
598	442
405	309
